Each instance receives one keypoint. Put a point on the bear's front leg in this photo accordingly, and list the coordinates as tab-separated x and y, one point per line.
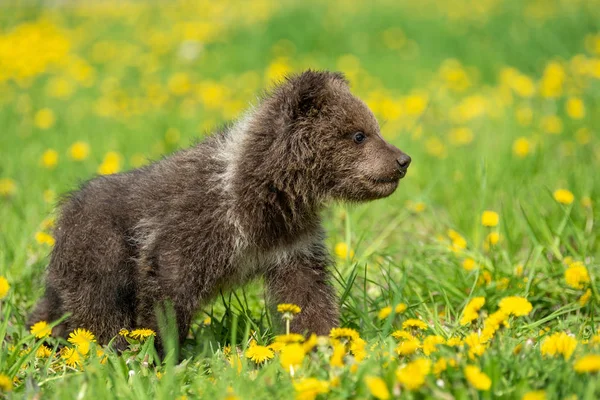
303	279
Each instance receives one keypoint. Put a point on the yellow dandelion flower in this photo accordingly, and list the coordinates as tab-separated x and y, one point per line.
24	352
103	357
312	341
276	346
493	238
400	308
358	349
179	84
44	118
476	345
6	384
519	270
518	349
583	300
212	95
479	380
485	277
563	196
79	151
310	388
343	251
343	333
490	218
40	329
59	88
81	339
469	264
111	163
492	324
551	84
48	223
503	283
291	357
334	382
377	387
4	287
459	243
575	108
522	147
452	234
50	158
402	335
259	354
288	308
471	311
558	344
454	342
142	333
551	124
534	395
124	332
460	136
414	323
412	375
576	275
515	305
278	69
454	75
44	238
430	343
71	356
418	207
386	311
337	358
8	187
43	352
436	148
289	338
408	347
440	366
587	364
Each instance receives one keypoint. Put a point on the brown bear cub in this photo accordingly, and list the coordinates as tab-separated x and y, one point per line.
242	204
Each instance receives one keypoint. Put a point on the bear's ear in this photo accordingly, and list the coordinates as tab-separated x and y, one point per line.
310	91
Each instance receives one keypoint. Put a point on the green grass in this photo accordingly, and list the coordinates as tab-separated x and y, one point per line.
118	62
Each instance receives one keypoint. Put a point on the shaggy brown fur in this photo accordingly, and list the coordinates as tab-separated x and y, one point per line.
243	203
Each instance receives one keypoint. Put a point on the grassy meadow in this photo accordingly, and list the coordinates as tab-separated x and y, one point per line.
478	278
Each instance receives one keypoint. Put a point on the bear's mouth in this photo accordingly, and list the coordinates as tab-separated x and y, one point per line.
385	180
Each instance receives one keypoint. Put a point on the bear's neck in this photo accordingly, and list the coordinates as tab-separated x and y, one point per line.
275	198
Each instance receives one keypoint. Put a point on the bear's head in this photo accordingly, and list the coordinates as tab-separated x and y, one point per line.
330	137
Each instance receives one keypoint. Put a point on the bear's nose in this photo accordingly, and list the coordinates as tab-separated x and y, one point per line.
403	162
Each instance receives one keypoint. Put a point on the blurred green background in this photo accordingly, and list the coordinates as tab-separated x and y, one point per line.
496	101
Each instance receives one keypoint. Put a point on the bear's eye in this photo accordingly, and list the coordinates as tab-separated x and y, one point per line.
359	137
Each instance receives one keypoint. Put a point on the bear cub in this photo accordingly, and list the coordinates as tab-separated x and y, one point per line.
243	203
